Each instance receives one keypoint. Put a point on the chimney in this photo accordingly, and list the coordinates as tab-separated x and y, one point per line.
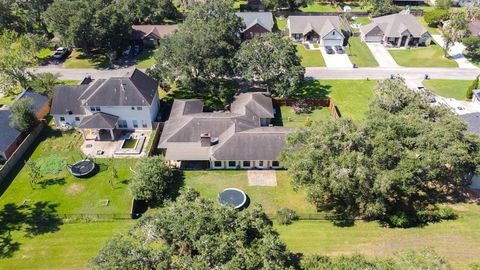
205	140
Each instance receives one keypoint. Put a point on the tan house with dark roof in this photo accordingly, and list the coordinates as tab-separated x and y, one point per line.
396	30
241	138
324	30
149	35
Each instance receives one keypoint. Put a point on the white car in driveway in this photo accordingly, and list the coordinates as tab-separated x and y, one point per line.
60	52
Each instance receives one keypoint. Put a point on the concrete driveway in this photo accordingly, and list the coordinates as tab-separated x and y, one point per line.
336	60
381	54
456	52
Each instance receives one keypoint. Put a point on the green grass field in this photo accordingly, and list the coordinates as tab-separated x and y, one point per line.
211	183
71	247
291	119
448	88
457	240
78	59
281	23
145	59
319	7
310	58
432	30
362	20
430	56
350	96
359	53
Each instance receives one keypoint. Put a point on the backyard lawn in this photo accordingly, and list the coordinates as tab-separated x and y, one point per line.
350	96
145	59
71	247
281	23
211	183
290	119
362	20
359	53
457	240
77	59
310	58
448	88
319	7
432	30
430	56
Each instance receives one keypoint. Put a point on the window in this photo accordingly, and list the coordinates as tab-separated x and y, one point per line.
92	109
139	108
98	109
122	124
135	123
260	163
62	118
144	125
232	164
217	164
95	109
275	164
246	163
333	33
77	118
133	108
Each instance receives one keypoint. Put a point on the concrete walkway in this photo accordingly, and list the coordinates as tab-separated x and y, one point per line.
336	60
456	52
381	54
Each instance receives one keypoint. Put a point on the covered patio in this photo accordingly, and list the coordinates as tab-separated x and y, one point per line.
102	124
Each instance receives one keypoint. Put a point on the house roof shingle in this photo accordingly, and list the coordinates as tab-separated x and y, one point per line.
473	122
7	133
39	100
395	24
99	120
265	19
322	25
155	31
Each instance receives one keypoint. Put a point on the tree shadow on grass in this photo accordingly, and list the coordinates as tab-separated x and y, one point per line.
36	219
51	182
312	89
174	189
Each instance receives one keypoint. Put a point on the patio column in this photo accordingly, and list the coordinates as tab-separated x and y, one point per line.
111	134
399	41
408	40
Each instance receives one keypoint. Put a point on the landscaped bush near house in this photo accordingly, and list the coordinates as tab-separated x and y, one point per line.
286	216
435	17
473	86
302	107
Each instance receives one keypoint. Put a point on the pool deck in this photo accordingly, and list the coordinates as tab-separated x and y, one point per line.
94	148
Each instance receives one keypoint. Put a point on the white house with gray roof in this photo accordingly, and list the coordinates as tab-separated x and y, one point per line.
241	138
324	30
256	23
396	30
107	105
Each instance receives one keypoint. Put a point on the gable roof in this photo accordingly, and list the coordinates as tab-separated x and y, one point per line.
264	19
238	133
154	31
7	134
473	121
66	99
395	24
322	25
99	120
39	100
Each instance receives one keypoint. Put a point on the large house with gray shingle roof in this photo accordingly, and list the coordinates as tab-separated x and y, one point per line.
256	23
324	30
241	138
106	105
396	30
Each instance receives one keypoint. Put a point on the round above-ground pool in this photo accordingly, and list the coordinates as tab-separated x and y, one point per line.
82	168
233	197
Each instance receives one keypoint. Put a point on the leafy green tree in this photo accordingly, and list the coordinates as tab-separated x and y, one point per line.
286	4
404	159
472	46
34	172
195	233
380	7
436	17
44	83
149	11
443	4
58	15
203	46
455	30
473	86
23	117
272	61
113	30
151	179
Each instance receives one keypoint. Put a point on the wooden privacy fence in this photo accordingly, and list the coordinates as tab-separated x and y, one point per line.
19	153
326	102
156	138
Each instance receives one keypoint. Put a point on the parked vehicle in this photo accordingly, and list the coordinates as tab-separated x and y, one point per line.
329	49
60	52
339	49
127	51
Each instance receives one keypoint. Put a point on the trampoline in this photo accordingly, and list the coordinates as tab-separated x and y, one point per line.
233	197
82	168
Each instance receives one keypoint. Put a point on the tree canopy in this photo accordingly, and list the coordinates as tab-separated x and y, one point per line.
381	7
395	167
195	233
286	4
272	61
23	117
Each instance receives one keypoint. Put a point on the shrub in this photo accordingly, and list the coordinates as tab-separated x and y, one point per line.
473	86
302	107
447	213
435	17
286	216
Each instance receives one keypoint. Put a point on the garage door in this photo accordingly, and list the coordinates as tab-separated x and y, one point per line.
332	42
373	39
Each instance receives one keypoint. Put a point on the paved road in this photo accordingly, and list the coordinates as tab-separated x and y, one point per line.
313	72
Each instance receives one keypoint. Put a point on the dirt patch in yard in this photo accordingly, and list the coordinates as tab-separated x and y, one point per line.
262	178
75	189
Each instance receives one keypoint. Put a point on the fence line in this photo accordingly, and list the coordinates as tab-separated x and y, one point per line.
156	138
326	102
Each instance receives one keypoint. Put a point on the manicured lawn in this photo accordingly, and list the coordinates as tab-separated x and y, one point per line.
362	20
281	23
65	193
359	53
77	59
350	96
70	82
448	88
355	6
145	59
237	3
7	100
291	119
211	183
432	30
457	239
71	247
430	56
310	58
319	7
